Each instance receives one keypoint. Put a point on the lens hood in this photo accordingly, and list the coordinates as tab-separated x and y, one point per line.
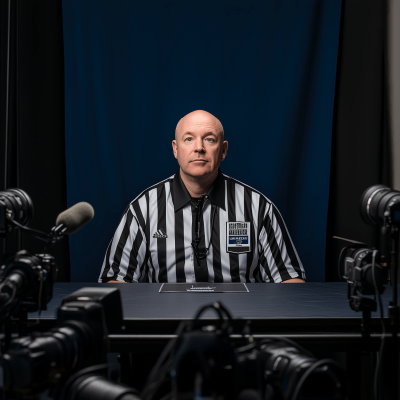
369	203
19	202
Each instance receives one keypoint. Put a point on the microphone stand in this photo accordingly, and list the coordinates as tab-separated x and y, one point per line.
57	233
393	308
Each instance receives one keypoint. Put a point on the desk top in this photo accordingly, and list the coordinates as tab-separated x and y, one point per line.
308	307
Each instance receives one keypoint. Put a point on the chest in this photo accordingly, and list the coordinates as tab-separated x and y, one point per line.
178	232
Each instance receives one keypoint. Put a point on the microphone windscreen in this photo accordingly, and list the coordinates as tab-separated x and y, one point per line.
75	217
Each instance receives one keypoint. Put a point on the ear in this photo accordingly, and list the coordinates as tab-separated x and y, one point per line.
224	150
175	148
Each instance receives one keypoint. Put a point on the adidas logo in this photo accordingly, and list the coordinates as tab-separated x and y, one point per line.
160	234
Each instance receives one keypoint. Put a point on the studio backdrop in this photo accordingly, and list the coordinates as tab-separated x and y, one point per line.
265	68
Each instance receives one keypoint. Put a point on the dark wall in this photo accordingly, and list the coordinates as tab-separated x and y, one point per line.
360	145
36	161
35	132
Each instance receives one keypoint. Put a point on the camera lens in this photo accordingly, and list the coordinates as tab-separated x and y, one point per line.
374	202
19	203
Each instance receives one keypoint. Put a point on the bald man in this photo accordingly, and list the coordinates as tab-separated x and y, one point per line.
200	225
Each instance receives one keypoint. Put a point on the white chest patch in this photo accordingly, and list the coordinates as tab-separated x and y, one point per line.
238	237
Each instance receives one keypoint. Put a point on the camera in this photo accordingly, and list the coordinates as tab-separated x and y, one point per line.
26	283
355	265
80	340
366	271
16	205
380	205
204	362
365	268
279	368
69	359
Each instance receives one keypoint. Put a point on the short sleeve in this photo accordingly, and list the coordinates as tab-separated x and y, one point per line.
279	260
126	254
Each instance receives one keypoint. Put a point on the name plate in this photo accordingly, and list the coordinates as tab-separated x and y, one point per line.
203	288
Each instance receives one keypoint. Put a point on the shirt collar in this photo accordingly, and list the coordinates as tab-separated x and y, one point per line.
181	196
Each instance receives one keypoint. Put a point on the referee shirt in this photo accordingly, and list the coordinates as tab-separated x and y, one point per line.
249	240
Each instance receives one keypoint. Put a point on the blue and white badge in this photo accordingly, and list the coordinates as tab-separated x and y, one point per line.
238	237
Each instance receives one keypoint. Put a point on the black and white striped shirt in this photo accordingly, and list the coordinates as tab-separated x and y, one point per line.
249	241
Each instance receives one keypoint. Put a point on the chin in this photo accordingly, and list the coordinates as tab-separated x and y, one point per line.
198	170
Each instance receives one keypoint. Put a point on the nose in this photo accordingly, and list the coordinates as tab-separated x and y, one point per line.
199	146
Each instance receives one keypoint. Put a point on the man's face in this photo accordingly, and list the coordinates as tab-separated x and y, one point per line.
199	146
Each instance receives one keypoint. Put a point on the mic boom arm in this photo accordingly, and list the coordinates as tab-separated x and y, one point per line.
68	222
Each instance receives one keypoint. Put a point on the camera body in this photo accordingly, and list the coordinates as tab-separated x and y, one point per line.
85	318
356	262
31	277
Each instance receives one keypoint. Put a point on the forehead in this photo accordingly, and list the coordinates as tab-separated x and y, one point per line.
199	123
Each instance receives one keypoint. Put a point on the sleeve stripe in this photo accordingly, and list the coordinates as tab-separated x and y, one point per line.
274	248
162	224
133	257
261	214
106	264
264	264
294	258
121	243
139	215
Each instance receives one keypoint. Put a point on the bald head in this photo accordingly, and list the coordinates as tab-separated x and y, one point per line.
199	117
199	147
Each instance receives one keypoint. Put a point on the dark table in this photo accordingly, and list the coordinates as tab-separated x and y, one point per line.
316	313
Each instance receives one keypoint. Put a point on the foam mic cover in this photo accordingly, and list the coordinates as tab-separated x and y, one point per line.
75	217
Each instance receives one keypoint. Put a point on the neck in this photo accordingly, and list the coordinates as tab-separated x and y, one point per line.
198	186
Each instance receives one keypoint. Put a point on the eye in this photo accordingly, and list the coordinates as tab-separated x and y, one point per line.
189	139
209	140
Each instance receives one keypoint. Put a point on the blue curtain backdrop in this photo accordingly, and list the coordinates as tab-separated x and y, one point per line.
265	68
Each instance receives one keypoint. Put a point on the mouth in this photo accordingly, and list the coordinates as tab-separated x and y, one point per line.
203	161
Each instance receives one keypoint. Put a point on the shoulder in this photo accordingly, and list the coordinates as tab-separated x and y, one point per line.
256	196
144	195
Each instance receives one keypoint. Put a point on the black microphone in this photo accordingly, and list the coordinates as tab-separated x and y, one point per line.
74	218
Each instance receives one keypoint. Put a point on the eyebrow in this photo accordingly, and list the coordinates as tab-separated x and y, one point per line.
206	134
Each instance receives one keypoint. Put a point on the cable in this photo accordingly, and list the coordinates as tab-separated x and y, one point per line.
308	372
379	359
48	238
28	229
158	372
164	362
195	324
218	307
